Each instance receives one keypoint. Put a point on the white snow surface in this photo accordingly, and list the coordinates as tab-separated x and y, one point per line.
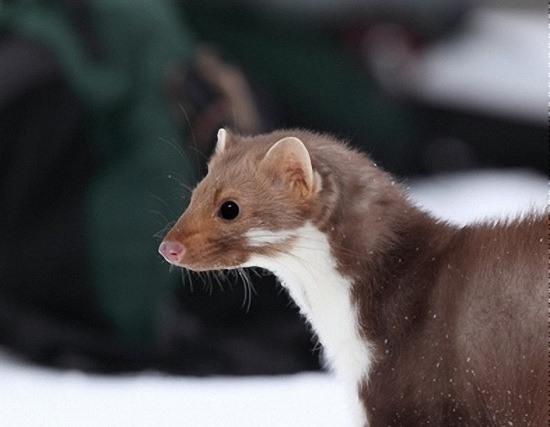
497	64
34	396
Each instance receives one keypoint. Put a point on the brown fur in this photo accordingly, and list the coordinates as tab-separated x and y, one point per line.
457	317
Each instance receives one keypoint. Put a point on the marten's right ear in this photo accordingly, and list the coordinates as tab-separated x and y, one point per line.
290	161
222	137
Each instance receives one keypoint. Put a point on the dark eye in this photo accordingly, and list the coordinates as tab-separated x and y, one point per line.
229	210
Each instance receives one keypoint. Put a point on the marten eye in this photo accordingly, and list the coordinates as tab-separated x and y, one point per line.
229	210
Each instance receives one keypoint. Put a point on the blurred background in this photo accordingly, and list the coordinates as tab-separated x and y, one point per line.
109	110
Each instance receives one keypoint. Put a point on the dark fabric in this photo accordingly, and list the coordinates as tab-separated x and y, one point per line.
48	308
44	168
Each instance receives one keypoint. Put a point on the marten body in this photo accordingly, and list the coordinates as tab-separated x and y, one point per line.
430	324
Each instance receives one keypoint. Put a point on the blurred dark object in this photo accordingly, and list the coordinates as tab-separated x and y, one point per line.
477	89
211	92
219	326
48	311
429	19
44	167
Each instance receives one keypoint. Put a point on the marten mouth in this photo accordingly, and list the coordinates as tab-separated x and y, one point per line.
178	255
203	269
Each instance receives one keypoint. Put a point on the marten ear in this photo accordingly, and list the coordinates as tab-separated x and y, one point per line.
290	160
222	136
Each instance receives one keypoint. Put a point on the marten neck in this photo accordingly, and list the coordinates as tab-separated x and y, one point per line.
384	245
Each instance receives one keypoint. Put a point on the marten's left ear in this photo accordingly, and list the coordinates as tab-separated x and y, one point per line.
290	160
222	137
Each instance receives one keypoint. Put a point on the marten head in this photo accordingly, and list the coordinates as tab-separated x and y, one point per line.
257	190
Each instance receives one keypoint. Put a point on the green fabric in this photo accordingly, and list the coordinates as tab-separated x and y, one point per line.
313	74
137	145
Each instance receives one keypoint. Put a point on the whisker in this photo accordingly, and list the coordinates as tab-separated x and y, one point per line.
248	288
208	282
159	235
161	201
175	146
159	214
189	125
185	276
231	278
219	275
180	182
200	157
188	188
203	276
162	218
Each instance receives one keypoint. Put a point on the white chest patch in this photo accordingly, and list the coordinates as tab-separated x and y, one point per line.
308	270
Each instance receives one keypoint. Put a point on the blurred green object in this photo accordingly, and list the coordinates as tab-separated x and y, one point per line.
115	54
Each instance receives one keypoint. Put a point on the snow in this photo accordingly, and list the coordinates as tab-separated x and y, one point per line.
34	396
481	195
496	65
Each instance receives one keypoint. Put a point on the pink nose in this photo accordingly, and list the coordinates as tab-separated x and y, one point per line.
171	251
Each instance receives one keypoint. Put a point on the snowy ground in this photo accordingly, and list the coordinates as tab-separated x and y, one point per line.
496	66
31	396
